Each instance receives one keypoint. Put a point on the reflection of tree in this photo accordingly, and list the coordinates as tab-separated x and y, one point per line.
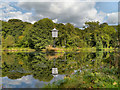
16	75
8	58
99	56
42	67
38	65
13	65
106	55
51	56
93	71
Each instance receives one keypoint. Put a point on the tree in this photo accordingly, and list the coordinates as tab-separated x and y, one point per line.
92	25
14	20
10	41
41	33
38	35
44	24
103	25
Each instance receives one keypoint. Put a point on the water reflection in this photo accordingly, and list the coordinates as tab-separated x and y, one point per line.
42	68
54	71
24	82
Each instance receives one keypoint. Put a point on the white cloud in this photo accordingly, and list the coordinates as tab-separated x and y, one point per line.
112	18
60	0
17	15
55	20
9	12
72	12
61	12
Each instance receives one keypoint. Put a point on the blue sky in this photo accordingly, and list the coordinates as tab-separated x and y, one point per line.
107	7
74	12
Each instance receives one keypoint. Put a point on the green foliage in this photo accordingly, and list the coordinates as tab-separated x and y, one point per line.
92	69
14	20
10	41
44	24
39	35
92	72
99	45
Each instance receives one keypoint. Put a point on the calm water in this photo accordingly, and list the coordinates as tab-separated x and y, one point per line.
34	70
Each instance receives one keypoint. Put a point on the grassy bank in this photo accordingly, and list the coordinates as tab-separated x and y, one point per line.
17	49
70	49
57	49
75	49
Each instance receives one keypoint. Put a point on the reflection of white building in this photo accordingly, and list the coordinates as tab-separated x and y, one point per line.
55	71
56	75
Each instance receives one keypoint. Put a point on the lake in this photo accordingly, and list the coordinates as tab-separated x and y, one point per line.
75	70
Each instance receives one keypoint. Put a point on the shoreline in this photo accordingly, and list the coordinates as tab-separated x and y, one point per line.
57	49
18	50
71	49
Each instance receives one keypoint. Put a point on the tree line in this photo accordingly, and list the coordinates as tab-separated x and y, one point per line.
16	33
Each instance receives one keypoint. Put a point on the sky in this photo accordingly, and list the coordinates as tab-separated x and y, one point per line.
76	12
